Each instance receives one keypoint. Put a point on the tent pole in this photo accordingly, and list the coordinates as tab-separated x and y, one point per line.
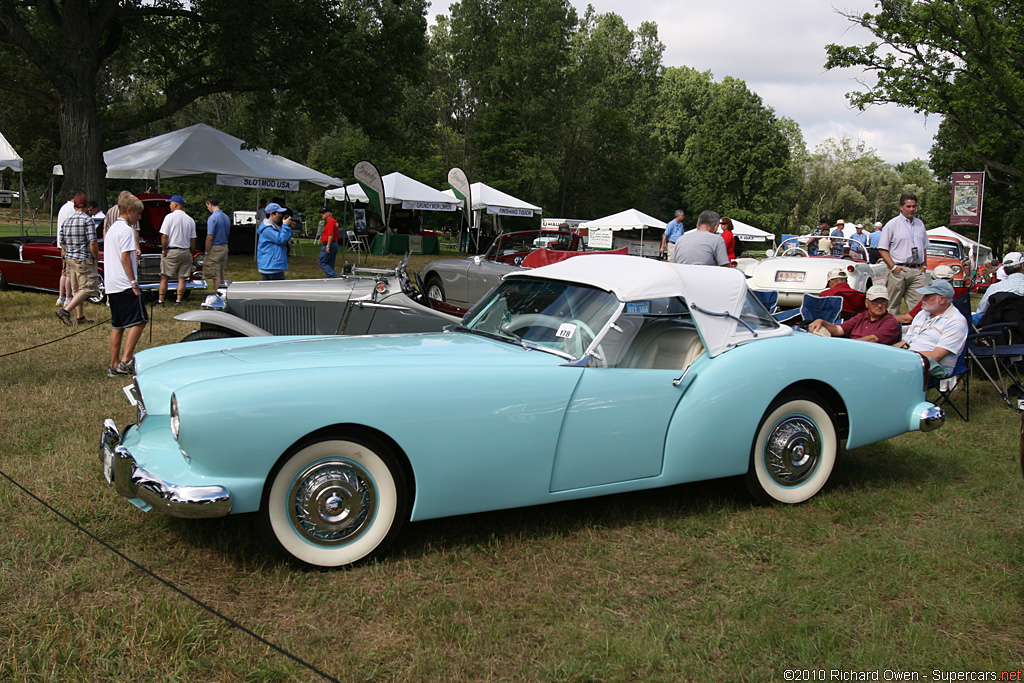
21	200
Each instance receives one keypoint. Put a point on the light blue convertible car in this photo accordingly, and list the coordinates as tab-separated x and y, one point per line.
588	377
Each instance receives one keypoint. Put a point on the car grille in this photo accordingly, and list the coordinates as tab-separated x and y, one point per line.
277	319
149	268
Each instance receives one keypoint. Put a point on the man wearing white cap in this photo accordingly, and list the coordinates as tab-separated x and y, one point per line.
1014	282
853	301
1001	270
875	324
876	234
938	332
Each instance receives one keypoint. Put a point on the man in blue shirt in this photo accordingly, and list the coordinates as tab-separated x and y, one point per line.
218	227
873	255
673	231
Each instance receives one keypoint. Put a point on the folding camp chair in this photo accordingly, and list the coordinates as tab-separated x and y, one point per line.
768	298
813	307
958	378
989	349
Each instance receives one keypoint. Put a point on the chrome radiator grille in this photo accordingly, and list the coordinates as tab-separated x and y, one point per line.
278	319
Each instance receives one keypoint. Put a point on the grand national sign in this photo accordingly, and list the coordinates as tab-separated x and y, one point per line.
968	192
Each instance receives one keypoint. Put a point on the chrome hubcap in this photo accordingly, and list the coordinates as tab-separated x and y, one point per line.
333	501
792	450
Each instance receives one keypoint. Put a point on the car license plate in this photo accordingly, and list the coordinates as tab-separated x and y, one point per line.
789	276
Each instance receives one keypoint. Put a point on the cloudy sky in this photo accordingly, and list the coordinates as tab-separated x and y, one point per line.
778	49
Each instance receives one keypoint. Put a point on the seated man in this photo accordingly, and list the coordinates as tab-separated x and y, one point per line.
853	301
938	332
1014	283
875	324
940	273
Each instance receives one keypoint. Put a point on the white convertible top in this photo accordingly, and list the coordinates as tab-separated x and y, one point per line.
633	278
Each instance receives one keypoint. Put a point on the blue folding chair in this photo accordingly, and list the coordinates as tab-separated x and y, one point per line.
768	298
813	307
945	387
991	347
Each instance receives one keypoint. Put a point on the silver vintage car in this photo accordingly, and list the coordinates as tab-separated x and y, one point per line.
369	301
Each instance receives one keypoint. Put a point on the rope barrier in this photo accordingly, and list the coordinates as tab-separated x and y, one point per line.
169	584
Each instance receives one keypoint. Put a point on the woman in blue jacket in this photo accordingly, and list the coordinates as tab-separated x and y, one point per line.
273	235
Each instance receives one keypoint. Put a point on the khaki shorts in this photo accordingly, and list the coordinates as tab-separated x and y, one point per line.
63	264
216	262
176	263
84	276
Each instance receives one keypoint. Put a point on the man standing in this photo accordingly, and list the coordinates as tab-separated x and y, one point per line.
82	251
120	278
876	234
837	237
938	332
861	238
64	292
274	234
177	242
702	247
218	228
875	324
673	231
328	243
904	247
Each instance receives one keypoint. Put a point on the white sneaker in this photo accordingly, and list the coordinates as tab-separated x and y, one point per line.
61	301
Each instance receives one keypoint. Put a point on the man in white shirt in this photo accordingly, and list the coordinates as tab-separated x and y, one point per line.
120	280
938	332
904	247
177	243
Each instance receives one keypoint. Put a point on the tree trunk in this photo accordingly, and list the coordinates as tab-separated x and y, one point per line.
81	141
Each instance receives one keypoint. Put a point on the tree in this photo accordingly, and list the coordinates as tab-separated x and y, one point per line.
960	59
108	66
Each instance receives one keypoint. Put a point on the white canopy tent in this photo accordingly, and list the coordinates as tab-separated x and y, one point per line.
980	254
630	219
10	159
745	231
203	153
399	189
491	201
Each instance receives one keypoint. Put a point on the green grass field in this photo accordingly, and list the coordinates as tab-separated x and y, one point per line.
912	559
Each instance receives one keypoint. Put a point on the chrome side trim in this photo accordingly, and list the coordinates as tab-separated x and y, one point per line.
131	481
932	418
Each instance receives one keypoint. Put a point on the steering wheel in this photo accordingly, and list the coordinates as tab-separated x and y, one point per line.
578	341
578	345
795	251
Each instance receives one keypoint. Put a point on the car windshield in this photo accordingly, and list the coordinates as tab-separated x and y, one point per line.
560	316
946	250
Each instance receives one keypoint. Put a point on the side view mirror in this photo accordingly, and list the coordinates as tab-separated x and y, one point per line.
478	259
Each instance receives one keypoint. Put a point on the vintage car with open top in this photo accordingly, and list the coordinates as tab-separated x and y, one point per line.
587	377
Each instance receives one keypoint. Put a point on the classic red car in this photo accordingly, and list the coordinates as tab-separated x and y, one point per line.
951	252
33	262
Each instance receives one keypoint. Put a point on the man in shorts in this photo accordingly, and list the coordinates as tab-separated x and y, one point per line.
81	253
218	228
120	278
177	242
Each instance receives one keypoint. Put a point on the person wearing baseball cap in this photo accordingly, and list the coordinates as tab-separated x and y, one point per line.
853	301
1013	264
941	272
938	332
273	236
177	244
875	324
328	243
1012	257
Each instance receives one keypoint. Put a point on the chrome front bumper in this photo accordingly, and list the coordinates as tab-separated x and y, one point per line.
932	418
131	481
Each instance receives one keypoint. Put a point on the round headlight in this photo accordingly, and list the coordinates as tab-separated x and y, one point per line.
957	269
175	422
213	302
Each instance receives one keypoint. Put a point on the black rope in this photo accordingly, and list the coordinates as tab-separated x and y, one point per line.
170	585
54	341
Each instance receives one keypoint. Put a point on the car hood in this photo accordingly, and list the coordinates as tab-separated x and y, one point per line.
165	369
326	289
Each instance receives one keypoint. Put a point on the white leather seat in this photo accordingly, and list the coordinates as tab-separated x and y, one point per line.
664	347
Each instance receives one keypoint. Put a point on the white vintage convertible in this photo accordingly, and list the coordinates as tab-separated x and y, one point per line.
793	271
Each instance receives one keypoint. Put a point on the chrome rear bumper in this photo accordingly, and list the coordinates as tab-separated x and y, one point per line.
932	418
131	481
